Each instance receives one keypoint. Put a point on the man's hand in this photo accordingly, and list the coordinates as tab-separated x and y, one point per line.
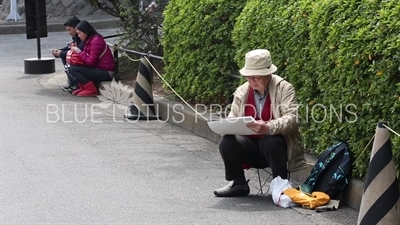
56	53
259	127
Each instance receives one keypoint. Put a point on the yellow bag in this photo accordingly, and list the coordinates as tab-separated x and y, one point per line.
312	201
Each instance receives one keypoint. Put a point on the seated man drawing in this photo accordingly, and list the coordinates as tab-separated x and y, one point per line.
271	101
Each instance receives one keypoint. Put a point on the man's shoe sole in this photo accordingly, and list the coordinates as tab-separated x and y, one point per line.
238	193
232	190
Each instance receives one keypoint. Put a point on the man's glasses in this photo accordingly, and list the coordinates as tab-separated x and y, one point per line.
254	78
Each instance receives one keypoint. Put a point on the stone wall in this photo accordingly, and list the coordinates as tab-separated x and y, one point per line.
54	8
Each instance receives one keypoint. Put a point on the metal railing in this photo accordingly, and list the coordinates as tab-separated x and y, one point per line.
149	55
116	48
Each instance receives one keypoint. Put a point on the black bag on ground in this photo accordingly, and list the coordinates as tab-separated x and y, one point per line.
332	172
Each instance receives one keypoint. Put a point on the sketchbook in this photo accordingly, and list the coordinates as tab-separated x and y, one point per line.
234	125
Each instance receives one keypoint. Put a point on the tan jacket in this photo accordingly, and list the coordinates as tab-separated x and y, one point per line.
286	118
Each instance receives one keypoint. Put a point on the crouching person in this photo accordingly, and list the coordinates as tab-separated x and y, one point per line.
70	25
271	101
97	61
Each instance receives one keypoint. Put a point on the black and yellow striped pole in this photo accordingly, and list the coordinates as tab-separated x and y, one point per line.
143	104
380	200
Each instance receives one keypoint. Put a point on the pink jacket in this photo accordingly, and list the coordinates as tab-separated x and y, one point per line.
94	48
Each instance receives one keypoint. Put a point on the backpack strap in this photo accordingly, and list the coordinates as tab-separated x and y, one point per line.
105	49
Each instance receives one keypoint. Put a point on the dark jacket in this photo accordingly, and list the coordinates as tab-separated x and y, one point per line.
79	44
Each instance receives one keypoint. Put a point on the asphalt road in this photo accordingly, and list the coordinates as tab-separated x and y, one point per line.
66	161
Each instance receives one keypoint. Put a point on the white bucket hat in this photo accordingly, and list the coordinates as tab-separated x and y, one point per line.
258	63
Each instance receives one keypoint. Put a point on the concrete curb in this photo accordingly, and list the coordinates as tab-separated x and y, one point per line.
56	26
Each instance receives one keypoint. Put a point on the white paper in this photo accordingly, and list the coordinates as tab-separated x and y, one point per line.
234	125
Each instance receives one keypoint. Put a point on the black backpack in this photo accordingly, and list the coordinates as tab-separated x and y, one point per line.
332	172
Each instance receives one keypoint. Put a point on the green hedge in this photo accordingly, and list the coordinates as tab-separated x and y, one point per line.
343	58
359	44
198	49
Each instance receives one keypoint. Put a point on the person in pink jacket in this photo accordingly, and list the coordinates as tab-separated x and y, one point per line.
98	61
